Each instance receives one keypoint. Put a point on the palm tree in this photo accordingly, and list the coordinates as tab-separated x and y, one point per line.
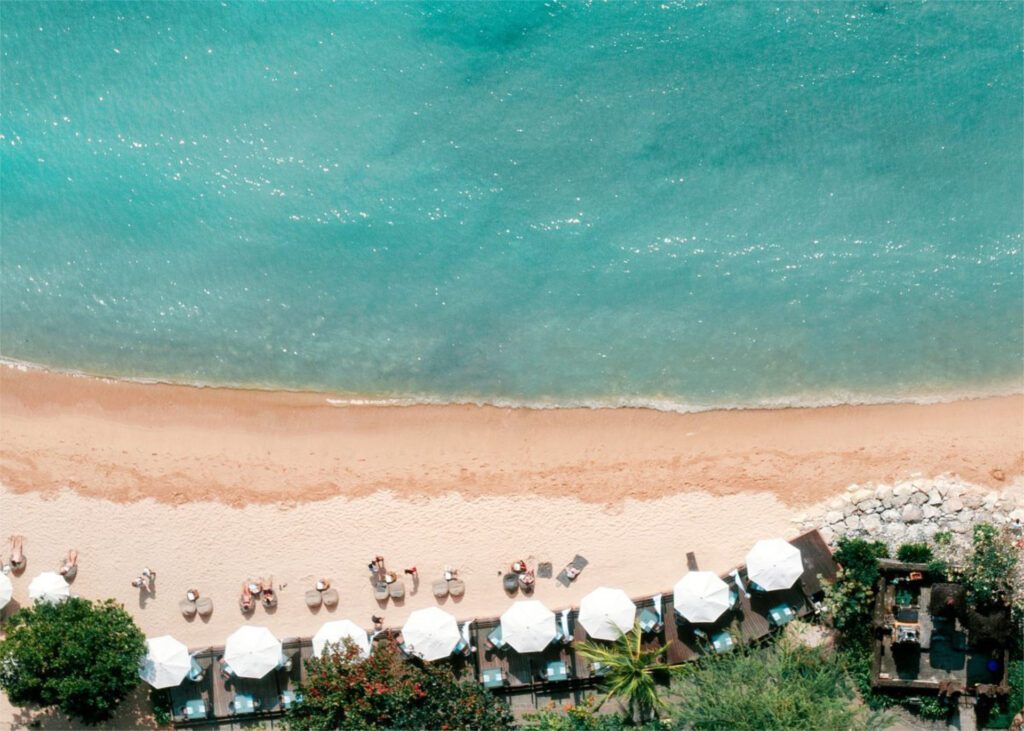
630	672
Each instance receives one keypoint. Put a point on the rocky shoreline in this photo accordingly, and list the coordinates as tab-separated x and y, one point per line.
915	510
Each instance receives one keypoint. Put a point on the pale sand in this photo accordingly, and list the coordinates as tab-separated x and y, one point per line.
210	486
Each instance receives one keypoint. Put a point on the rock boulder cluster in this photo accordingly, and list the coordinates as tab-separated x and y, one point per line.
914	511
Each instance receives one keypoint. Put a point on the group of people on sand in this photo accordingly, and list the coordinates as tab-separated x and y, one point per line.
261	591
16	561
527	576
380	571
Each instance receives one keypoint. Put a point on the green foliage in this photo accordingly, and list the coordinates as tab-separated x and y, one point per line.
914	553
632	672
938	567
943	538
930	707
345	691
79	656
856	659
987	573
782	686
849	603
583	717
859	558
160	702
1001	714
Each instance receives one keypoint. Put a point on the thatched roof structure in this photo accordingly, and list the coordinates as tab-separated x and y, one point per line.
948	600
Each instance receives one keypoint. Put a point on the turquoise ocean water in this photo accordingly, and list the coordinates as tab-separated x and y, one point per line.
689	205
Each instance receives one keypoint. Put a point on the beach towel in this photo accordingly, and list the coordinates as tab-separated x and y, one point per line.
544	570
579	563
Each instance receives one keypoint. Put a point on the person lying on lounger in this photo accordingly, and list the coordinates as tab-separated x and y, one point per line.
70	566
245	602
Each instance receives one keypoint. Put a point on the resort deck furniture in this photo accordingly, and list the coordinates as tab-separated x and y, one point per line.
440	588
243	703
564	635
739	582
330	598
781	614
397	590
313	599
467	637
722	641
456	587
511	582
195	672
188	609
194	709
492	678
288	697
380	591
204	606
495	638
649	620
556	670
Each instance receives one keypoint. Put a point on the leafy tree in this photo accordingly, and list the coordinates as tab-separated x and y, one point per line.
859	558
850	597
384	691
914	553
782	686
631	674
989	569
79	656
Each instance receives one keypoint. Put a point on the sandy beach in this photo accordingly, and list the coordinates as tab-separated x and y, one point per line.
211	486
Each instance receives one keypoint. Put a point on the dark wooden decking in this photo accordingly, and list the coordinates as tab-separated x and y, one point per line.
524	687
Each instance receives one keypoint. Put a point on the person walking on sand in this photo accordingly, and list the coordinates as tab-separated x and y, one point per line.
69	569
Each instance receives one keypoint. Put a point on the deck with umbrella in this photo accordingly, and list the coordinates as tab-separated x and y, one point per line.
701	597
528	626
252	651
335	633
166	663
49	587
607	614
430	634
774	564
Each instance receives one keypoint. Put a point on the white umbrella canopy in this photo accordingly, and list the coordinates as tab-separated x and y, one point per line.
528	626
431	633
607	614
49	587
252	651
6	590
701	596
166	663
337	632
774	564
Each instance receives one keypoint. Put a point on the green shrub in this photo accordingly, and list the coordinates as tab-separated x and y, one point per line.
383	691
930	707
859	559
938	567
582	717
914	553
781	686
943	538
79	656
989	568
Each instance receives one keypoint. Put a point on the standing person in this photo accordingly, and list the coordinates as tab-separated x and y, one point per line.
150	576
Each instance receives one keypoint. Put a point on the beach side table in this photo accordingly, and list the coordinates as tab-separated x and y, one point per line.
781	614
493	678
556	670
722	641
195	709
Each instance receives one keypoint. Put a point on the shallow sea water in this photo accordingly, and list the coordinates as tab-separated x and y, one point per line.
684	205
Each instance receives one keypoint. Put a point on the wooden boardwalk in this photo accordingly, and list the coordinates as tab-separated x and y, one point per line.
524	686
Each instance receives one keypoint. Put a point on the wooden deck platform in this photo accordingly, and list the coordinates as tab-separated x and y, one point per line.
525	688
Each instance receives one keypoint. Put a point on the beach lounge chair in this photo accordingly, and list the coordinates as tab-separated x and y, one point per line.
578	563
456	587
495	639
397	590
330	598
511	583
204	606
188	609
313	599
71	573
380	591
440	588
195	671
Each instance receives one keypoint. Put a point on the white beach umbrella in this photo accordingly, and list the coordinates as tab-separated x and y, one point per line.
6	590
606	614
337	632
431	633
701	596
166	663
528	626
774	564
49	587
252	651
